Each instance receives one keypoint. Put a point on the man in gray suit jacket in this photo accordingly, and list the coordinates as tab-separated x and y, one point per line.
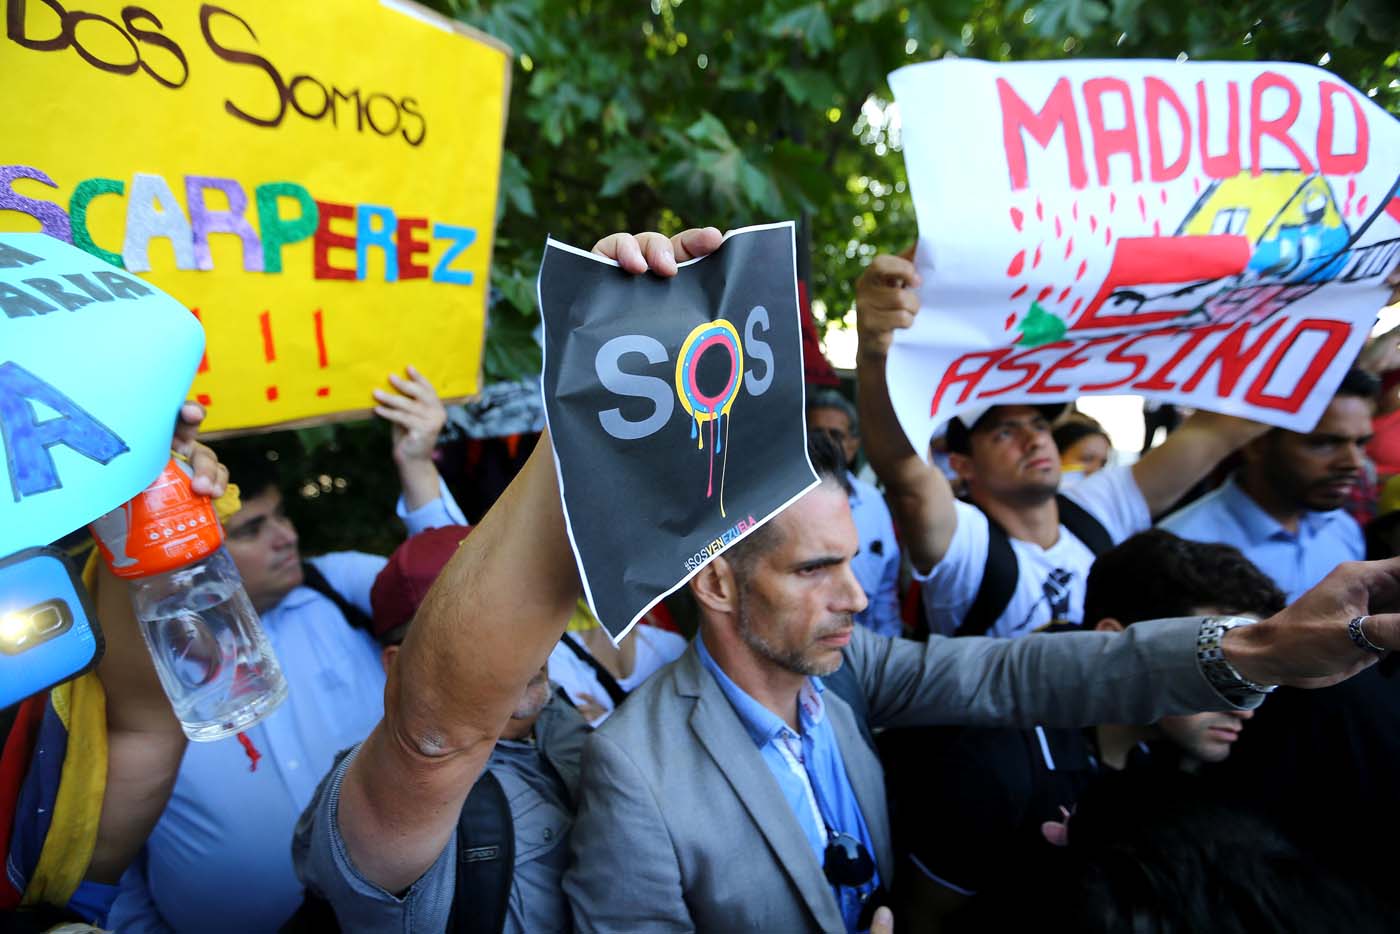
705	804
490	620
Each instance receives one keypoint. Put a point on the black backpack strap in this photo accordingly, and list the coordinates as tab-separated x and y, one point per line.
1085	527
999	577
314	916
485	860
605	678
313	578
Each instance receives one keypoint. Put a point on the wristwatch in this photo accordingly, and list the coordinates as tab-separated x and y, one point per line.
1210	655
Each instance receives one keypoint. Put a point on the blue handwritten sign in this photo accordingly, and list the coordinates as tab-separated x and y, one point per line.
94	363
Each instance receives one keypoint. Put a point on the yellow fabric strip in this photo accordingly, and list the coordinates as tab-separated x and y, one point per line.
81	705
583	618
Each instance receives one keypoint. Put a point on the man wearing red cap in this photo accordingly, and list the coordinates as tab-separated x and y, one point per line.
524	799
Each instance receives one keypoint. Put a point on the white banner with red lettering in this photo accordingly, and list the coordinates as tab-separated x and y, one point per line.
1211	234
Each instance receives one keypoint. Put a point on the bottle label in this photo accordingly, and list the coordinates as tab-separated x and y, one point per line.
164	527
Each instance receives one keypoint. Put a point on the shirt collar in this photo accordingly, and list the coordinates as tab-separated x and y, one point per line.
762	724
1258	525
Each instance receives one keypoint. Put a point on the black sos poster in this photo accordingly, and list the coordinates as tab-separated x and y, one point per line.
676	410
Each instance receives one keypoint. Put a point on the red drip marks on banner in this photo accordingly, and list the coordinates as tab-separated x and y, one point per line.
1010	319
269	348
1039	210
1361	206
1156	228
1107	235
1069	247
1112	201
1142	207
1044	292
1063	295
322	358
1093	223
1036	262
1164	196
1083	267
1196	185
250	750
1017	218
1074	210
1058	229
1019	292
1074	309
1018	262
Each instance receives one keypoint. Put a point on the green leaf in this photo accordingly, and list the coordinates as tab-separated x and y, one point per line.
808	86
710	131
868	11
1059	18
515	185
627	169
808	23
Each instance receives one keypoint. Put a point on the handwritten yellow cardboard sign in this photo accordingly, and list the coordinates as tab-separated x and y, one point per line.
316	182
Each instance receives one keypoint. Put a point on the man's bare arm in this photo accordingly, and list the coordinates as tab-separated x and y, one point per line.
918	493
1191	452
144	741
485	627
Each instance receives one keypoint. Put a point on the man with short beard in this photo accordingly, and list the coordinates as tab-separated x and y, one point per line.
1283	509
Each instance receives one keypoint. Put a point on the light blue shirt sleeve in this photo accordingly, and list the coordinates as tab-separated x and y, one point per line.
323	865
441	511
134	910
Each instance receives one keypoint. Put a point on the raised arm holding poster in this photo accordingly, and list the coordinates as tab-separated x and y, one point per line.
676	410
1216	235
316	182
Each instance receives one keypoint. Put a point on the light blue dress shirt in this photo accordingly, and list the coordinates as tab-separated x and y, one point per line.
1296	561
219	859
876	565
809	771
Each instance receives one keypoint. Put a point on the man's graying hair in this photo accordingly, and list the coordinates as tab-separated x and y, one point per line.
831	399
830	465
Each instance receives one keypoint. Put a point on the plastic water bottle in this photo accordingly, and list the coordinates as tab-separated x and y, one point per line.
210	653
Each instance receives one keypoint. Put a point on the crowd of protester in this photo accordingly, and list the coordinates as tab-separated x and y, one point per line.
973	688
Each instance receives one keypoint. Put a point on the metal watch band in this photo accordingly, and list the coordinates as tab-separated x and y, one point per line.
1210	655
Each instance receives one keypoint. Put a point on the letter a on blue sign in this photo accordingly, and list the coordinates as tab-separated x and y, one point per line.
28	439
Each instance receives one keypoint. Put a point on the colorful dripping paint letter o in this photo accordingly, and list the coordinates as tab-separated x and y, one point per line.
702	408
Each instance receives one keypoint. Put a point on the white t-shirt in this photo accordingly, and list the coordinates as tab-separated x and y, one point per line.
1050	581
655	648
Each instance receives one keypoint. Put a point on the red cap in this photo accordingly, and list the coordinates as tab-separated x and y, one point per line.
411	570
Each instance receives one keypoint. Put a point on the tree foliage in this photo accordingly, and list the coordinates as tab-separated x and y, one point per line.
733	112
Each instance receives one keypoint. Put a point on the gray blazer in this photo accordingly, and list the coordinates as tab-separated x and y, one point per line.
681	826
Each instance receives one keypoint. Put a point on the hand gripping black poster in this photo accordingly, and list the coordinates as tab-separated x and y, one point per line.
675	407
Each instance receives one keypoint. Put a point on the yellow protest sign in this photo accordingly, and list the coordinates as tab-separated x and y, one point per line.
316	182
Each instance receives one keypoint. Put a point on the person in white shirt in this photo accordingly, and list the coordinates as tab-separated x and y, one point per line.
1007	458
597	675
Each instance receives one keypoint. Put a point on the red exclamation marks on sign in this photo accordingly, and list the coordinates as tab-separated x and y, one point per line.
321	358
269	348
203	397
